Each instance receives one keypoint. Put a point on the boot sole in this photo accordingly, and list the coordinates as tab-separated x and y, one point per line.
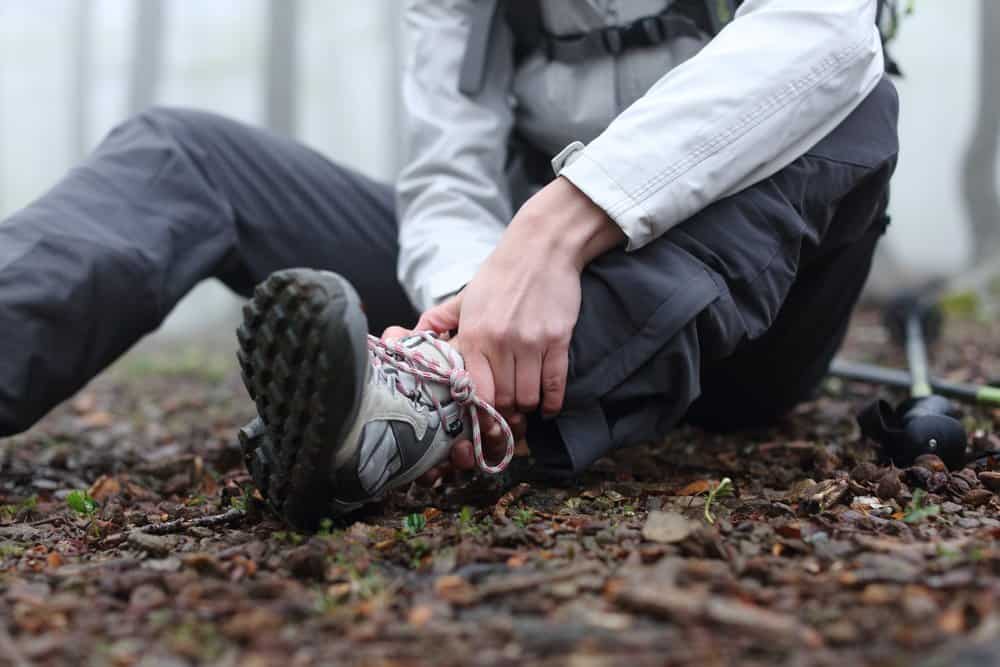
303	356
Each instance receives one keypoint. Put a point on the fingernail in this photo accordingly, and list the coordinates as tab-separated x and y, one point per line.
495	431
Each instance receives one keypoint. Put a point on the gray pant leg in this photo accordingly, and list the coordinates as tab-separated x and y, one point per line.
657	323
170	198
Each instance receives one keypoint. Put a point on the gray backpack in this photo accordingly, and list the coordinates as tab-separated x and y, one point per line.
693	18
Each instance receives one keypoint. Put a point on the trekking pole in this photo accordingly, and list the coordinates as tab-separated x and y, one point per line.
856	371
926	423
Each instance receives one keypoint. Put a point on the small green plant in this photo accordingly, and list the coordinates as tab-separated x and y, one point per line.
720	490
81	503
918	510
325	527
523	516
466	516
10	549
467	524
286	536
9	512
414	524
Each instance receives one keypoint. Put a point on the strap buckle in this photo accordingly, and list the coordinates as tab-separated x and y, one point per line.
613	38
651	29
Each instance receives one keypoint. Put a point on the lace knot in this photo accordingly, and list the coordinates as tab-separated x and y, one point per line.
462	389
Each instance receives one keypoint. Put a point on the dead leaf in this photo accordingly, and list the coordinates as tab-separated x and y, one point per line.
454	589
104	487
96	420
695	488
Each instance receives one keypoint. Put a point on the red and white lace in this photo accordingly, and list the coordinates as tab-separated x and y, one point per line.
458	380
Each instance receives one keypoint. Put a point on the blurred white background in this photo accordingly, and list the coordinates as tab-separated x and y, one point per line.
69	72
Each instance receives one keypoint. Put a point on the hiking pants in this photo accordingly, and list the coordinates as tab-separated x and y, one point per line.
728	320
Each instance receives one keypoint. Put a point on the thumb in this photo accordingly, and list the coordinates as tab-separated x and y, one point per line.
443	317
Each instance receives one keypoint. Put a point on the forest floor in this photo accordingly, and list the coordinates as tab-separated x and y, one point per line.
130	535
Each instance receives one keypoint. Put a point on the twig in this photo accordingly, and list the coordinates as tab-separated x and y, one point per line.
529	582
684	605
508	499
179	525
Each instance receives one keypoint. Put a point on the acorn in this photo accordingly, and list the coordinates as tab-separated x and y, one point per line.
932	462
865	472
918	477
889	486
938	481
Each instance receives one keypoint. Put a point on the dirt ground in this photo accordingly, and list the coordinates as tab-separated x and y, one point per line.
130	535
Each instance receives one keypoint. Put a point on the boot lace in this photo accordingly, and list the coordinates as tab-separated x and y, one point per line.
390	355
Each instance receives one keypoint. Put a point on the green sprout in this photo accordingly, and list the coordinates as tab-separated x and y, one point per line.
917	510
523	516
414	523
720	490
81	503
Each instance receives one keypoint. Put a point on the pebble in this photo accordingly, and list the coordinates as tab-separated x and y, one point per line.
159	545
949	507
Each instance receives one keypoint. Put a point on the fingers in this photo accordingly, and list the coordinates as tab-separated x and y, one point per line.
527	382
555	367
431	476
395	333
482	375
504	381
462	456
442	318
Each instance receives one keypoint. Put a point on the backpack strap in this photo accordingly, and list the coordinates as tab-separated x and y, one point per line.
525	20
477	47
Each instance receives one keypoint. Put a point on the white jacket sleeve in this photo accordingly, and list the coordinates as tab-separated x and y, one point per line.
452	199
776	80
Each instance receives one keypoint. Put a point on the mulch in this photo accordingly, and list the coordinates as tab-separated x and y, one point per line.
791	545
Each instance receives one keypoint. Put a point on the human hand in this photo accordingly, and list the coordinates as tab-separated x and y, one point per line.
516	317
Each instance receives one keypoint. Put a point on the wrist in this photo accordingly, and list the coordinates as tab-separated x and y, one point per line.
562	221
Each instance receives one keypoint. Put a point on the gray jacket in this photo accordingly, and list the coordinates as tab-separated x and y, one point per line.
652	135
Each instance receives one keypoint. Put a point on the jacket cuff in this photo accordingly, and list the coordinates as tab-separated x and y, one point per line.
576	165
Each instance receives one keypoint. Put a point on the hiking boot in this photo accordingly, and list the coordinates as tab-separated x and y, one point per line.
343	416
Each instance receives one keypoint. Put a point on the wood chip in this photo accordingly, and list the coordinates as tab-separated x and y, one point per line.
668	527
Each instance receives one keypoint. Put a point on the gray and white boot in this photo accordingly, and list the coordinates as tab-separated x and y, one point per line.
345	417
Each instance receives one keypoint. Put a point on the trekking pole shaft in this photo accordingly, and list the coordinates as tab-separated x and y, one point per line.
916	358
855	371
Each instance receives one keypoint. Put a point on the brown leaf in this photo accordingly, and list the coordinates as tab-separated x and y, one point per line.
454	589
695	488
420	615
96	420
104	487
